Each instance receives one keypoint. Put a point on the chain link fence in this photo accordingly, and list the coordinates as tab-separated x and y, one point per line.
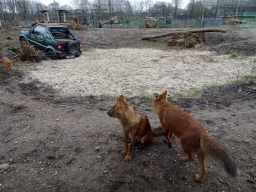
100	19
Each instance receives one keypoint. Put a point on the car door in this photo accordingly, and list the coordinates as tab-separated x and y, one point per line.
37	37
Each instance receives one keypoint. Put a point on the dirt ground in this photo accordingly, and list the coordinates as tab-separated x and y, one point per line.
56	143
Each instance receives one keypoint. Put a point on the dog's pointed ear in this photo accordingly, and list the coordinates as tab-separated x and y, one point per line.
155	96
122	98
117	100
165	93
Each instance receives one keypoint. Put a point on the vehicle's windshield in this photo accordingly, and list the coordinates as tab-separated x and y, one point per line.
61	33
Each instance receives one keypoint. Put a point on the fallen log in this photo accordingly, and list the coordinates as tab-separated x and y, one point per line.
182	32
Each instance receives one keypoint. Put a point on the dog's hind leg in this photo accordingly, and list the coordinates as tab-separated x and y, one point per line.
170	136
202	158
187	149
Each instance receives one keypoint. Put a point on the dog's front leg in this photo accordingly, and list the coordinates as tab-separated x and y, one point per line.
129	154
125	150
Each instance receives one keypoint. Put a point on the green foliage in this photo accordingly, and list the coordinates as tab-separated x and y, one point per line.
146	96
174	100
249	78
234	55
14	48
15	70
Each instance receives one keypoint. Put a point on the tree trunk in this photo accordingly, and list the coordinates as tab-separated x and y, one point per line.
182	32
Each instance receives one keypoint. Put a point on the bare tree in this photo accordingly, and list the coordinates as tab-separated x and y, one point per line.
11	6
176	4
3	7
127	8
141	6
81	4
192	5
238	6
148	4
196	9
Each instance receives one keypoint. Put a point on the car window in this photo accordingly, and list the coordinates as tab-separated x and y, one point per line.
61	33
48	36
39	30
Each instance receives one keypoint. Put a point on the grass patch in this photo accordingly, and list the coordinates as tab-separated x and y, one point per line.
194	95
14	70
174	100
234	55
249	79
14	48
147	96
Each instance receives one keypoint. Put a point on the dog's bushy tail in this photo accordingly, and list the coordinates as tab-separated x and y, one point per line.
150	136
158	131
220	153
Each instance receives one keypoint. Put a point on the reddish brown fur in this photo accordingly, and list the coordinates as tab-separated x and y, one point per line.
191	134
134	124
7	64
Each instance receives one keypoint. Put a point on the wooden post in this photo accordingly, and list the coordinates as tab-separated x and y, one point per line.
64	15
48	18
58	15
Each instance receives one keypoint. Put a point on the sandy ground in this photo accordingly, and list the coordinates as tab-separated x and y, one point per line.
139	72
58	144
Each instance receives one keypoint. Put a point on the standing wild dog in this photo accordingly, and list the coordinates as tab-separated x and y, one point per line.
7	64
134	124
192	136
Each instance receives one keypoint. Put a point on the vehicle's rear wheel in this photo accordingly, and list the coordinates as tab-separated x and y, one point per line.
51	54
73	47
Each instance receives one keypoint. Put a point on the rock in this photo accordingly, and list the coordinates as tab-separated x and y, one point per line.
97	148
4	166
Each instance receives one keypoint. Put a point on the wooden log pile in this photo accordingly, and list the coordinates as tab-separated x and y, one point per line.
113	20
147	25
75	24
189	39
37	21
234	22
28	53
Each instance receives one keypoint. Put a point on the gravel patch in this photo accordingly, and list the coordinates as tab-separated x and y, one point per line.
139	72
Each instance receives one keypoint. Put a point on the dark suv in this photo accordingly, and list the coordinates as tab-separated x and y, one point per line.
56	41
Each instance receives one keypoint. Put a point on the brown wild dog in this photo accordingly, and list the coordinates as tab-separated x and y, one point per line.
7	64
134	124
192	136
